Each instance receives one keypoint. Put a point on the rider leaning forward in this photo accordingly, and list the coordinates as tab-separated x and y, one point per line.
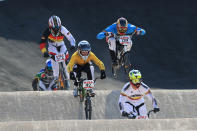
119	28
131	100
53	36
81	61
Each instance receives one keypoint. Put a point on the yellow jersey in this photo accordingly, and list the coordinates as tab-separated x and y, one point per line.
76	59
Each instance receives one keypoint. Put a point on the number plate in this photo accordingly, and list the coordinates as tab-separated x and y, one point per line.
60	57
125	40
88	84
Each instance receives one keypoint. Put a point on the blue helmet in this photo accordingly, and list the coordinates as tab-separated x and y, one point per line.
48	66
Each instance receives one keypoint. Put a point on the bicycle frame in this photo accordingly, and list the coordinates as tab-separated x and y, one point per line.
63	83
86	93
123	58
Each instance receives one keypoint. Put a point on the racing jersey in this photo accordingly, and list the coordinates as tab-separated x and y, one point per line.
47	37
41	75
76	59
113	28
135	96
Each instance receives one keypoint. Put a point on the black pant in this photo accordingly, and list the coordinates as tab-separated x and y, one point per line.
85	68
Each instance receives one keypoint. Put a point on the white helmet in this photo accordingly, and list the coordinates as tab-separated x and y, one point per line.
84	46
54	25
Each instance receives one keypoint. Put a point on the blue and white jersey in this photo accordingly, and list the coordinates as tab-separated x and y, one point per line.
113	28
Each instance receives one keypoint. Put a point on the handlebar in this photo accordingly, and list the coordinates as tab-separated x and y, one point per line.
116	36
148	114
82	79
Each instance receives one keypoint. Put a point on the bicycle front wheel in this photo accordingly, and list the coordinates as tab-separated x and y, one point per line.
88	109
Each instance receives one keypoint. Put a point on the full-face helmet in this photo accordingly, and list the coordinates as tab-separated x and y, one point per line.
84	49
122	25
54	25
135	77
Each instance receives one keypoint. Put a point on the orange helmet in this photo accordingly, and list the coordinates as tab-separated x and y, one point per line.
122	25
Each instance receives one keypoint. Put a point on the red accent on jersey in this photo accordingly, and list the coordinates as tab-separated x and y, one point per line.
52	53
42	45
55	38
67	56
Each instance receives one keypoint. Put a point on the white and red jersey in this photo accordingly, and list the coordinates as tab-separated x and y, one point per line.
56	46
48	38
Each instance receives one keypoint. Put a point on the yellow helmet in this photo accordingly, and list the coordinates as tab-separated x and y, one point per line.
135	76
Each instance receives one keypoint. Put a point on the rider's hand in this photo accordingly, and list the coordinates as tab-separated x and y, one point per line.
72	76
103	75
138	31
156	110
46	54
109	34
124	113
72	48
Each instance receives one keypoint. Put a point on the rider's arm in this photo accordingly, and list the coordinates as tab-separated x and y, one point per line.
120	102
151	97
148	93
111	28
71	63
98	62
40	74
137	30
123	97
44	40
140	31
68	35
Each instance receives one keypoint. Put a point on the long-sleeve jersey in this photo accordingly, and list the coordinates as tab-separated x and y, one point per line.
76	59
136	96
113	28
41	75
47	37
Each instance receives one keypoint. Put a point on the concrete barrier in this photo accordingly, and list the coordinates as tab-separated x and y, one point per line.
61	105
101	125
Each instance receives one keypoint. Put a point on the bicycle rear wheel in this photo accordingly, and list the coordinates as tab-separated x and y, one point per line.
88	109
